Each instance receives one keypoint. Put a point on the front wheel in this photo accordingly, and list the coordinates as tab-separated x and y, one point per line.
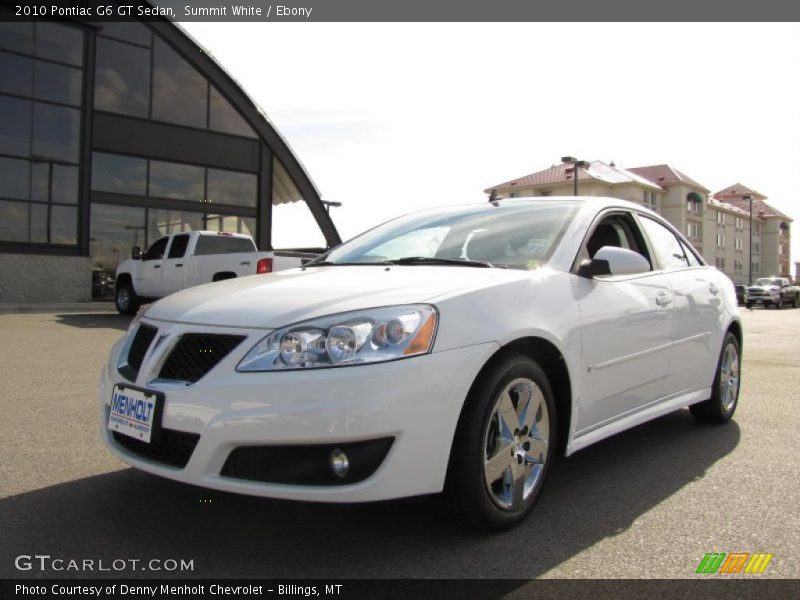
126	299
503	445
725	390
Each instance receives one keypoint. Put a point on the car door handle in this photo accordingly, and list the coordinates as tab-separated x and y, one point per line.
712	287
179	265
663	298
156	266
244	262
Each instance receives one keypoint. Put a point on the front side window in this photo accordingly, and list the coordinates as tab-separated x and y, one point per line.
156	251
666	245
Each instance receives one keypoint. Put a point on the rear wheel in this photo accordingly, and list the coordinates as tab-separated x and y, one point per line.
503	446
725	391
126	299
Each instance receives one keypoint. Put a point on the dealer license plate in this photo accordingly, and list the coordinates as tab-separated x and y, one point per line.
133	412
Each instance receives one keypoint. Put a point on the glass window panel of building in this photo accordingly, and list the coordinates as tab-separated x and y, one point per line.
115	230
128	31
15	177
59	43
15	126
14	221
40	124
16	74
56	132
58	83
122	78
16	36
231	224
293	225
177	181
232	187
180	93
163	222
223	117
119	174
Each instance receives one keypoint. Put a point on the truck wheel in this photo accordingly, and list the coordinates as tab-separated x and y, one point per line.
126	299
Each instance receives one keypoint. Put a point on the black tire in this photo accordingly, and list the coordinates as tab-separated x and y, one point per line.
749	305
125	298
794	302
467	495
719	408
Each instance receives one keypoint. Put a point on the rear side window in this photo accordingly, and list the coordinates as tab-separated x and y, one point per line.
222	244
178	247
665	244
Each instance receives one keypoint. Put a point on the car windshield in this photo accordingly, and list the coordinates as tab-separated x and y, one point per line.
511	235
767	281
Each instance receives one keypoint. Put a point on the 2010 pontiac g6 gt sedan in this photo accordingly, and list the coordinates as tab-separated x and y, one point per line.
452	351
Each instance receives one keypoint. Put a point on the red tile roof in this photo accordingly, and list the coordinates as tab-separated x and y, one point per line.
737	190
563	173
666	175
734	195
556	174
760	208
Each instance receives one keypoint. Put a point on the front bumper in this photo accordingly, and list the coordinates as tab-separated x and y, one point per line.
415	401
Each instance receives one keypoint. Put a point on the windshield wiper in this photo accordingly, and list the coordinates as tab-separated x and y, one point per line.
433	260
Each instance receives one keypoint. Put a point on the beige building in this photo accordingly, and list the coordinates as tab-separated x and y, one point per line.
717	225
773	236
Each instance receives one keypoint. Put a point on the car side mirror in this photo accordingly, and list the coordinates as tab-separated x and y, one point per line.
610	260
136	253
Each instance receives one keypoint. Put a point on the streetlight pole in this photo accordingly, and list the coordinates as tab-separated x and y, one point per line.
576	164
750	268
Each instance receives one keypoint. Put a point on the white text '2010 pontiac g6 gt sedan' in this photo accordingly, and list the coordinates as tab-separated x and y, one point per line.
453	350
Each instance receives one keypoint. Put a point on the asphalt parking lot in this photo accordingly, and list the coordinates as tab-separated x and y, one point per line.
646	503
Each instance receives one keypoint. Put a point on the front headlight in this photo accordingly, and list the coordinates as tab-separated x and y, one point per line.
353	338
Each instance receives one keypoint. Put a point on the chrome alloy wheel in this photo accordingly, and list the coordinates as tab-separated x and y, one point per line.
729	377
516	444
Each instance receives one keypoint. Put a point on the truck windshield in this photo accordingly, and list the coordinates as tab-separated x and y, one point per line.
513	234
223	244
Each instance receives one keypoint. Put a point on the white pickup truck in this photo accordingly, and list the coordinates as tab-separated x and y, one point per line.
182	260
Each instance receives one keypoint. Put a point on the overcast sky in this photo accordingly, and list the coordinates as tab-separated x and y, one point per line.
389	118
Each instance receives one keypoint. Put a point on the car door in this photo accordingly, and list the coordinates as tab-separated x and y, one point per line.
174	267
148	281
697	306
627	326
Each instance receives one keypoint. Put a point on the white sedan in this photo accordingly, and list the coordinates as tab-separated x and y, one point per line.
451	351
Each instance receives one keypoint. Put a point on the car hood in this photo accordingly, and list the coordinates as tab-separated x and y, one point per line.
286	297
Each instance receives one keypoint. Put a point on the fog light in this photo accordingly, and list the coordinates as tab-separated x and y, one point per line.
340	464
